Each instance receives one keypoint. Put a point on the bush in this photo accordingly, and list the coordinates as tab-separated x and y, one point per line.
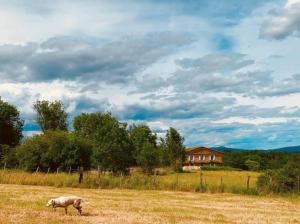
8	157
252	165
284	180
54	149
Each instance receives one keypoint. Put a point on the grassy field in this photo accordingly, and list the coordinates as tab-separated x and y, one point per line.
25	204
212	181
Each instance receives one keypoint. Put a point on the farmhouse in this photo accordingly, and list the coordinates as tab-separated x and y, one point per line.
199	156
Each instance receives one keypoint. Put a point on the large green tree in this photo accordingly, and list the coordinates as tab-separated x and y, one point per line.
175	149
146	152
77	152
51	115
112	147
11	125
163	153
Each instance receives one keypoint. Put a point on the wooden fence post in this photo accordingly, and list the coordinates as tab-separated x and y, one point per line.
37	169
248	182
70	170
177	181
99	175
222	185
4	167
155	179
98	172
121	178
80	175
48	170
57	170
201	180
298	184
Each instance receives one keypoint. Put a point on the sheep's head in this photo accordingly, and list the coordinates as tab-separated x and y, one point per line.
50	203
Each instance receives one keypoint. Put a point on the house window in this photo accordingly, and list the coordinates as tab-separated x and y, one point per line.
191	157
212	157
202	157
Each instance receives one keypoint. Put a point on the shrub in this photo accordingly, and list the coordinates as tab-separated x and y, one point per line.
8	156
284	180
252	165
54	149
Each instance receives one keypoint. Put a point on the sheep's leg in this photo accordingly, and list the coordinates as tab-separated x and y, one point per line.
66	210
79	210
78	207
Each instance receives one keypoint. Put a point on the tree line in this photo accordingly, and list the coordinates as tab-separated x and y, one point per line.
259	160
97	140
280	170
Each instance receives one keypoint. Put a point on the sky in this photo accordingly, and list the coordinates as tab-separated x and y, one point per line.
222	72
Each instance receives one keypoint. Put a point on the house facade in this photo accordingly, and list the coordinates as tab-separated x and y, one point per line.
199	156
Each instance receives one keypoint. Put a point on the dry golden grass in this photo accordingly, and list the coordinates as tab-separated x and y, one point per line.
232	181
26	204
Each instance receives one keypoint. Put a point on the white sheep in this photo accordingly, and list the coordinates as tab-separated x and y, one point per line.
66	201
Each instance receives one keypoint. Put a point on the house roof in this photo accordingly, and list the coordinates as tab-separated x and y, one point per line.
190	149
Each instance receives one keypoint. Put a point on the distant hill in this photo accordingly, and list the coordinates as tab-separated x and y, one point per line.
291	149
223	148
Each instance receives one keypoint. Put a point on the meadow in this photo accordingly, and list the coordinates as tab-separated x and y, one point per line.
242	182
25	204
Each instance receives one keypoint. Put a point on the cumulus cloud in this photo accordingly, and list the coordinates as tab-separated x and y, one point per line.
220	109
180	106
219	73
283	22
216	62
85	104
246	83
282	87
114	62
210	73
